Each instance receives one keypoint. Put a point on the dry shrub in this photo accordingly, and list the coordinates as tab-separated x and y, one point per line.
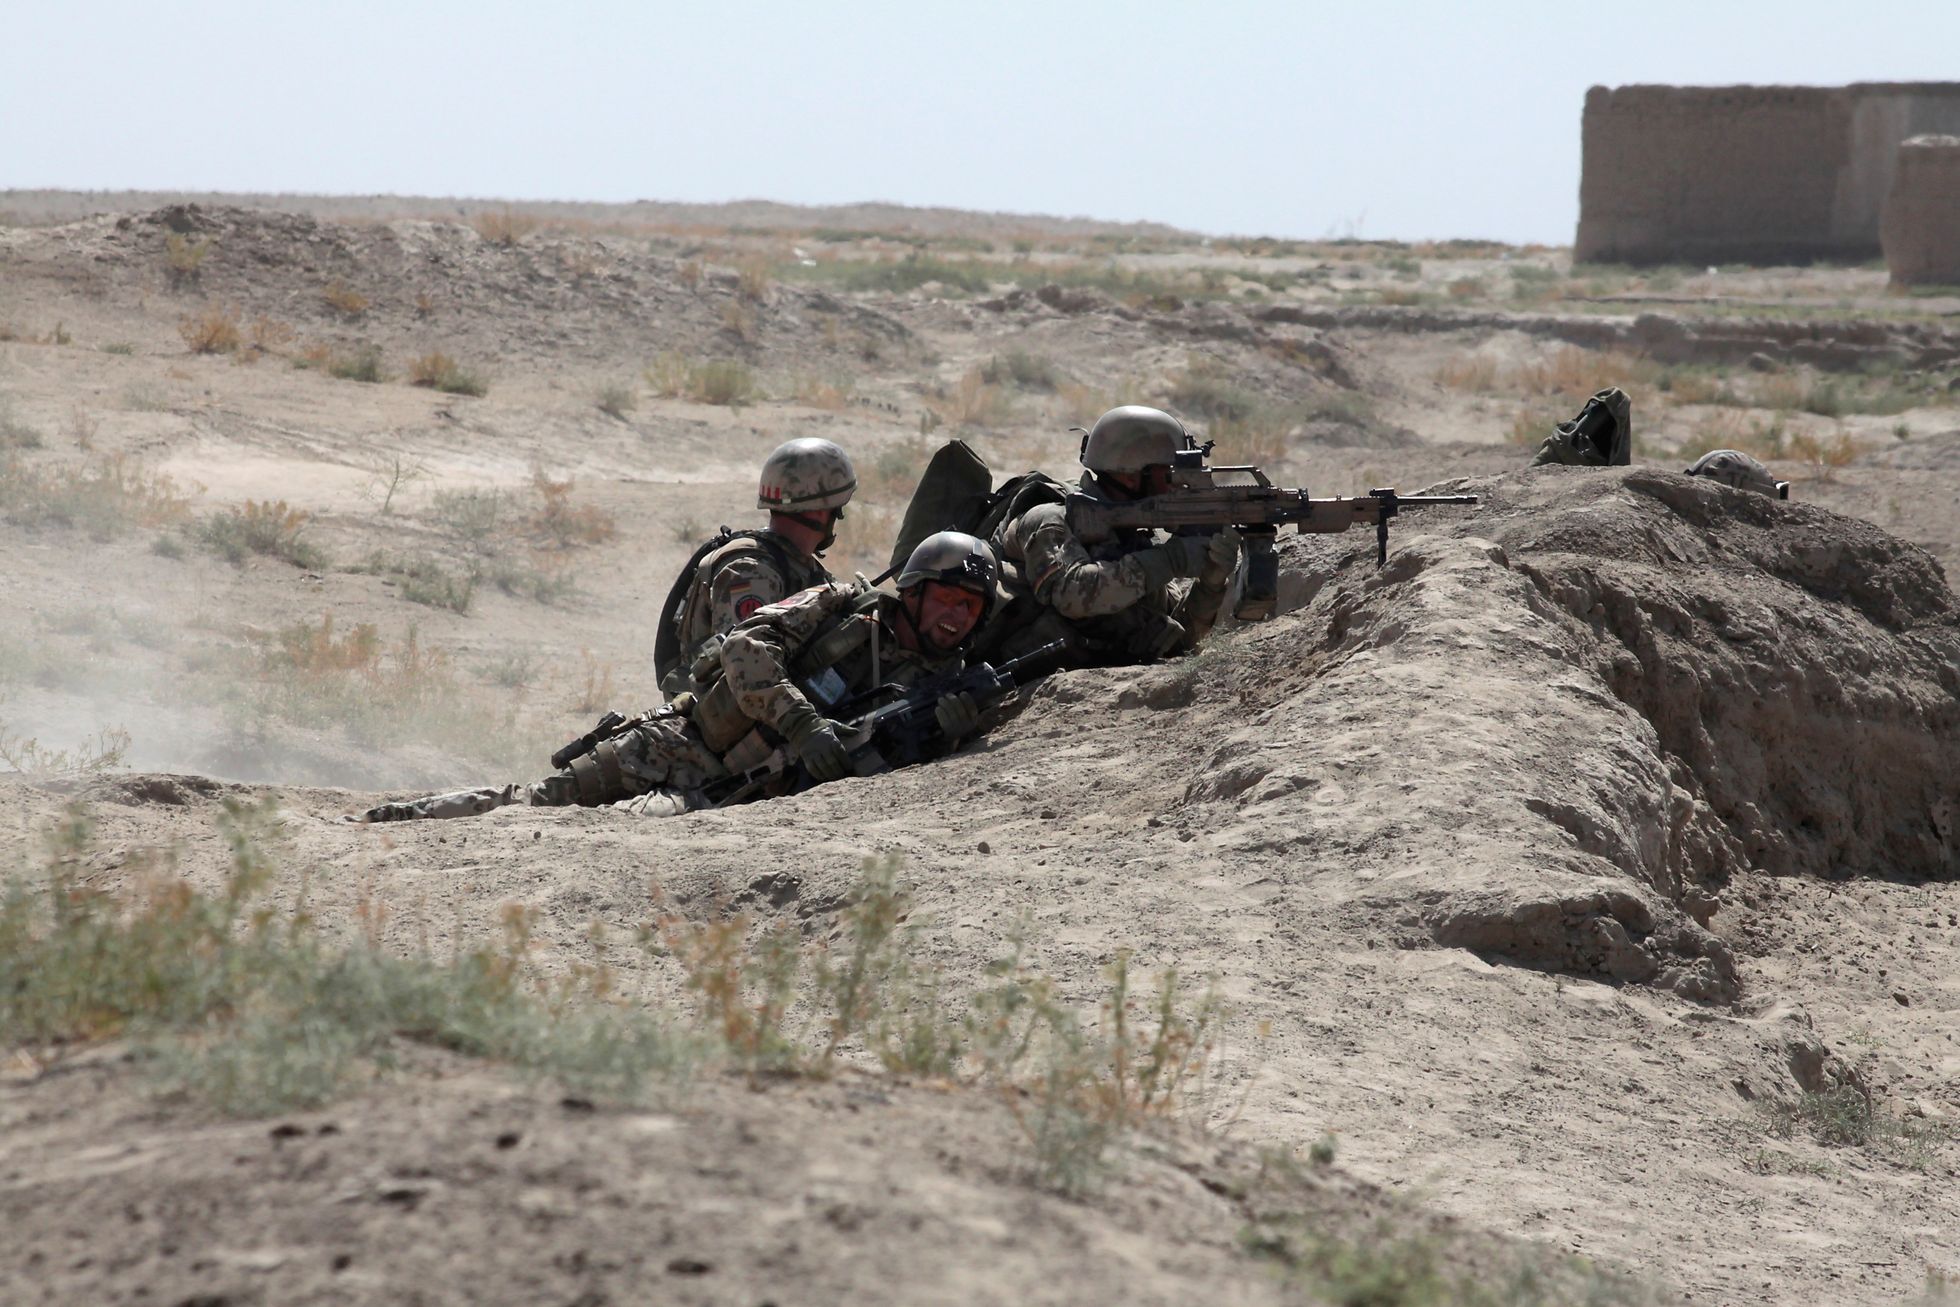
752	279
1475	373
437	371
214	331
103	496
739	321
364	364
1263	439
1686	387
715	381
563	522
345	300
28	756
824	392
595	691
1825	454
271	528
257	1011
504	226
1577	373
971	402
270	336
1529	428
1732	430
615	400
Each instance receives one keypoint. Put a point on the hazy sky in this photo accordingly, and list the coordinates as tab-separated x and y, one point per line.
1374	119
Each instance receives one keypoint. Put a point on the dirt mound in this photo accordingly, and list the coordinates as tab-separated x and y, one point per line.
1559	726
409	285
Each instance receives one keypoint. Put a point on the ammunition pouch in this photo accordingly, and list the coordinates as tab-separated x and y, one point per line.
599	776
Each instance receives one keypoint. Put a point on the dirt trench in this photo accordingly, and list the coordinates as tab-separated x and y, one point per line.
1563	722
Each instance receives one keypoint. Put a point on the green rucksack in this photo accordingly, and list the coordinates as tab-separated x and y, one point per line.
957	493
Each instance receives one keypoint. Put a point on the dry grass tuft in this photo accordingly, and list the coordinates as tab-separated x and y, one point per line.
269	528
1474	373
102	496
345	300
1737	431
214	331
504	226
564	523
438	371
724	382
752	280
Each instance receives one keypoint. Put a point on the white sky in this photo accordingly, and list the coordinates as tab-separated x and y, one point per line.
1386	118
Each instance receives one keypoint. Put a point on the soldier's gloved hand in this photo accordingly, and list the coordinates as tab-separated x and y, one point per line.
814	738
957	715
1221	556
1178	556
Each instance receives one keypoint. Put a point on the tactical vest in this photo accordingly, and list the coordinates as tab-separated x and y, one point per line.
836	668
684	624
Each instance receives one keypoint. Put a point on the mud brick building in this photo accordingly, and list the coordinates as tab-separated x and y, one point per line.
1747	174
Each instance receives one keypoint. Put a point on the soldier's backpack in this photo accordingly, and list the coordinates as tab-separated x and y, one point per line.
957	493
667	632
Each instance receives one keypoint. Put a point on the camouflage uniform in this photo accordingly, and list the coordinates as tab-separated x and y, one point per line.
734	583
815	650
808	480
1738	471
1101	599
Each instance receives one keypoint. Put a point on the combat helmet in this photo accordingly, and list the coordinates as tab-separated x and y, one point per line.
1132	438
1738	471
804	476
954	558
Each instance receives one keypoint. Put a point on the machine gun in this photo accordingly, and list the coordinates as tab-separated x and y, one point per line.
898	733
1206	499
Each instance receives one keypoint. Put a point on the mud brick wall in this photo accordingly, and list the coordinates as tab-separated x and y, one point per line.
1922	215
1746	174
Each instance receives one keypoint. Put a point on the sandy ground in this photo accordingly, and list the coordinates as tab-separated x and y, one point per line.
1540	866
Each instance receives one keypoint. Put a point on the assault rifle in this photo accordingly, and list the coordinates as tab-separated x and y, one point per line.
898	733
1206	499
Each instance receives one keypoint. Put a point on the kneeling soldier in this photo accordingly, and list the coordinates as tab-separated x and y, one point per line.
767	690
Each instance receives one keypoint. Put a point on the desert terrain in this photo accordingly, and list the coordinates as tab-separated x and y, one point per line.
1576	889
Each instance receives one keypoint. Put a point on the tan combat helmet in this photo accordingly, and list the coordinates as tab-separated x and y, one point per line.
805	475
1132	438
954	558
1737	470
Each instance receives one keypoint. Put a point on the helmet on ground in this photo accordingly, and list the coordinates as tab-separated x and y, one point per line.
1738	471
954	558
1132	438
805	475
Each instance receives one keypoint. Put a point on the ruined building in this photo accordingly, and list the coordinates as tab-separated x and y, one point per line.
1746	174
1922	214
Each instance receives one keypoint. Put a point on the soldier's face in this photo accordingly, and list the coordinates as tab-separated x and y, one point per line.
945	614
1153	480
